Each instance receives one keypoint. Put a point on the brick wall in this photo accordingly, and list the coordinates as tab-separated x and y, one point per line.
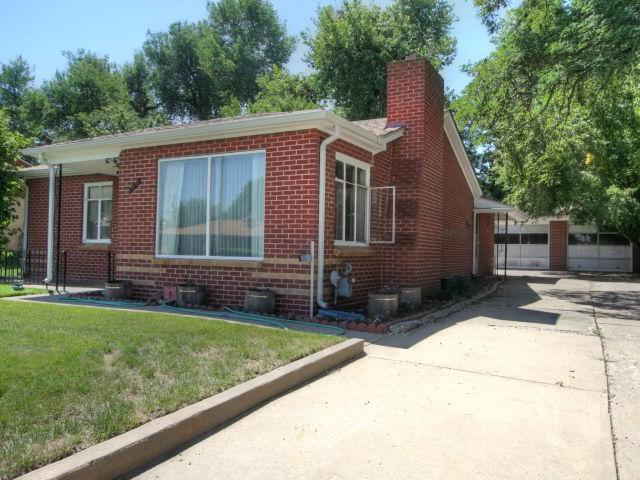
86	263
486	258
415	97
291	199
457	218
558	245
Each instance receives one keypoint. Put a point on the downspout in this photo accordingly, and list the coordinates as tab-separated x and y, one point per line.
52	198
321	213
25	221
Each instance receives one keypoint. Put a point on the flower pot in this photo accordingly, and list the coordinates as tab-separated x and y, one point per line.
118	290
382	304
260	300
411	297
190	295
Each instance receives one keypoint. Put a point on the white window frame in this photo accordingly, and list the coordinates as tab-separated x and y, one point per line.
341	157
86	212
393	214
208	157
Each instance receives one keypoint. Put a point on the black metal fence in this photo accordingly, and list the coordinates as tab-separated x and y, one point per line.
31	267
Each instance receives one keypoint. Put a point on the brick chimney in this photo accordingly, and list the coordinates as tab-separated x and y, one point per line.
415	98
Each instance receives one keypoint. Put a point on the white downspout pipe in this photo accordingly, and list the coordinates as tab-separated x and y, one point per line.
25	221
52	199
321	211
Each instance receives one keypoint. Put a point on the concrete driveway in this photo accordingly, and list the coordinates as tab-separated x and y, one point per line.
513	387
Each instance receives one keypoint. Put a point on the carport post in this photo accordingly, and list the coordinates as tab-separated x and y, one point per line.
506	241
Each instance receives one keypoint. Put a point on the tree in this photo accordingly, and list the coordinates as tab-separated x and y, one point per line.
202	70
10	184
557	105
89	98
15	81
280	91
137	77
25	104
189	71
253	38
353	44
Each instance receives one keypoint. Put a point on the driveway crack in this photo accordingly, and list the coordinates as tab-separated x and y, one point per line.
488	374
606	374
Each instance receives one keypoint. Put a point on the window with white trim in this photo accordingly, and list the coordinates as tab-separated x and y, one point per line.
212	206
98	212
352	201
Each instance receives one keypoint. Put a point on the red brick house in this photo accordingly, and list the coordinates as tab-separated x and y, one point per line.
233	203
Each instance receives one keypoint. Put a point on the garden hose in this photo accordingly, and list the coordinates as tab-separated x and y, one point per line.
228	313
95	301
338	330
205	313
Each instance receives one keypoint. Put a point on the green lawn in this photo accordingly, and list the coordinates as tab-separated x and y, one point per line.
7	291
74	376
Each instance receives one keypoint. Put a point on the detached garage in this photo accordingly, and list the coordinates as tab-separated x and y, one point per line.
555	244
589	250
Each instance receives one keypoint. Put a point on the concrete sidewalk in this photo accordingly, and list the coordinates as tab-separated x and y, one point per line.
513	387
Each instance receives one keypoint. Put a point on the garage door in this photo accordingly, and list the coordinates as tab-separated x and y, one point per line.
527	246
598	252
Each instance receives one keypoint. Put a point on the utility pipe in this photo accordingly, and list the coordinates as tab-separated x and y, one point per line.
321	211
52	198
312	261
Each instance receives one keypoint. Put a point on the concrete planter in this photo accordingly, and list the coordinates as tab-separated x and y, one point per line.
190	295
411	297
383	304
260	300
118	290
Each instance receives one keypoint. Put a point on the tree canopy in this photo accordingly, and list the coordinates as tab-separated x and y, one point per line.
196	69
353	44
556	106
280	91
10	185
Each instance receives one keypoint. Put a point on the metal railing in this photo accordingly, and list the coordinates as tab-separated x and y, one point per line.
31	267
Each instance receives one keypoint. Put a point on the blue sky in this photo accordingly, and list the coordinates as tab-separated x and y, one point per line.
40	30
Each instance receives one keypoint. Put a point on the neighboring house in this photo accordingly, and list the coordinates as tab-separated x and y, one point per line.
233	203
557	244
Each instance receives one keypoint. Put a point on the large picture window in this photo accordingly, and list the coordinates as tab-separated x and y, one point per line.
212	206
97	212
352	201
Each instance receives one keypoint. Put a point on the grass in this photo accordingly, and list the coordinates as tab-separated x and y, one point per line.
71	377
7	291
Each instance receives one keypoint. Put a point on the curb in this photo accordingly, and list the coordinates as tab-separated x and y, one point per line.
408	325
135	448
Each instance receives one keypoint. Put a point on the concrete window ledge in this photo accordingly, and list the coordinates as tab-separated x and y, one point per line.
135	448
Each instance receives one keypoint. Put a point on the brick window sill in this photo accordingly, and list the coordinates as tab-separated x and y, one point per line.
101	247
355	251
205	262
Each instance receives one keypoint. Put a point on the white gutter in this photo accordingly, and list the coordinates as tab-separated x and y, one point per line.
321	211
52	198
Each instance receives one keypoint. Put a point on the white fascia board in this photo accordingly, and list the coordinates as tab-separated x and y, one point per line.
453	135
111	146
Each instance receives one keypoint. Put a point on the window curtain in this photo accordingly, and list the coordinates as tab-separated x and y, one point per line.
183	207
237	206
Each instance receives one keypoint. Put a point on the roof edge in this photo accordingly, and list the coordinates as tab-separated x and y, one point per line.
453	134
322	120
